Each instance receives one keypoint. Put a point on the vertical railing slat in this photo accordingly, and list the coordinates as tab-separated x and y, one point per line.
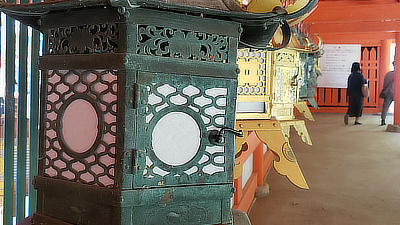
14	201
22	123
9	124
34	120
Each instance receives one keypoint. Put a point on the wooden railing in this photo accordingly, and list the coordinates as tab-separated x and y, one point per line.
20	135
334	100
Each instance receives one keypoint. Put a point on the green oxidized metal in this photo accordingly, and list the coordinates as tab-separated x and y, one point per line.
308	82
165	69
143	76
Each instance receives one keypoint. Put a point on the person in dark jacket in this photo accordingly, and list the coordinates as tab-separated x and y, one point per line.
354	93
387	94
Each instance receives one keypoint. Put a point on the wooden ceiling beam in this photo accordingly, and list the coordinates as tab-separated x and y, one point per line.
359	27
331	12
364	22
366	39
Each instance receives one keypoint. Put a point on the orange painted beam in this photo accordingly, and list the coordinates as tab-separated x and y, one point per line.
237	197
335	96
351	12
340	109
244	196
355	22
359	27
252	142
258	162
269	157
384	66
353	2
397	82
328	97
365	39
248	194
343	97
262	162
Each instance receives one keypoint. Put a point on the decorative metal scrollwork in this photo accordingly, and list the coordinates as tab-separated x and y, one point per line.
185	44
285	57
86	39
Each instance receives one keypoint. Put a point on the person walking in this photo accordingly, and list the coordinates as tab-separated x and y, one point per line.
387	94
354	93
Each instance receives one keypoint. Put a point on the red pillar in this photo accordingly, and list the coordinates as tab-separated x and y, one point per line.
397	82
384	63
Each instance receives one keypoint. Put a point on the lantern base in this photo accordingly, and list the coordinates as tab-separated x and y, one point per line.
43	219
64	202
240	218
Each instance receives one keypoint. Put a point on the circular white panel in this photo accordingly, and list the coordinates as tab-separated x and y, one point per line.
79	125
176	138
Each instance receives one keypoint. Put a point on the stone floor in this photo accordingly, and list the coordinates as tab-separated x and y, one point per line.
353	172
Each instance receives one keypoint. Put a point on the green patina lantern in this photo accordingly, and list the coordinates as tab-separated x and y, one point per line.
138	109
308	82
148	102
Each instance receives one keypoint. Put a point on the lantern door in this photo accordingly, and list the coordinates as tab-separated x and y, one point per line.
285	87
175	115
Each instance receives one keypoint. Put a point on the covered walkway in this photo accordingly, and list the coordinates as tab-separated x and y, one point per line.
353	173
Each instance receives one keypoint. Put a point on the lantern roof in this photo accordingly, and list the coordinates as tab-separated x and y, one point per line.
255	25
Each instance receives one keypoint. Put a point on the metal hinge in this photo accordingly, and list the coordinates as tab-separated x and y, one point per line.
135	96
129	161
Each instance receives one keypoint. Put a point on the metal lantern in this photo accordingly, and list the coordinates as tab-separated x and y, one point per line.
254	84
308	83
267	91
286	74
138	108
137	105
136	118
268	83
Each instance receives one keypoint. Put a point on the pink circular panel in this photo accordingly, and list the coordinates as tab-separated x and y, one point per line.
79	126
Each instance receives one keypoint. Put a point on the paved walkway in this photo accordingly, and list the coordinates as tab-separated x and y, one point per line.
353	173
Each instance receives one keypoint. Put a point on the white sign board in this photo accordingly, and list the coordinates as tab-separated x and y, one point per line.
335	64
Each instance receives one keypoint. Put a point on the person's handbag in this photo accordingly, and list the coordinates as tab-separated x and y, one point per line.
365	91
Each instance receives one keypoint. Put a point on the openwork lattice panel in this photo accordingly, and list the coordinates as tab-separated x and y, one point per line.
285	92
308	78
179	43
179	113
81	129
85	39
286	76
254	72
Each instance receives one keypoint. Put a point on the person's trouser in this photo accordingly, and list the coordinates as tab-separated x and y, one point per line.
385	107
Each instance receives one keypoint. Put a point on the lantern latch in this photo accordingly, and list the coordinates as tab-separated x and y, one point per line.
216	136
